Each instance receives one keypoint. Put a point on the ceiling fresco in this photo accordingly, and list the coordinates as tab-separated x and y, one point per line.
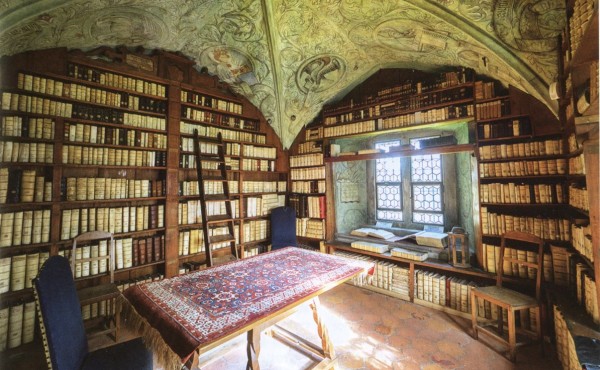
290	57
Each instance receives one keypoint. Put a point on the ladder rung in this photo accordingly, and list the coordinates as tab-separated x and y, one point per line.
210	140
221	239
213	178
218	218
216	198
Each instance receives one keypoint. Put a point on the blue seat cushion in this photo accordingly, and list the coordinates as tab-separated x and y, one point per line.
61	313
283	227
128	355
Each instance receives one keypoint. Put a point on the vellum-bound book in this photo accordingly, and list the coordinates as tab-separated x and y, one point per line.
409	254
431	239
371	247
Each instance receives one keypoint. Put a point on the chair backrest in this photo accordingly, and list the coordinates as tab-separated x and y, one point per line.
283	228
100	258
59	313
529	250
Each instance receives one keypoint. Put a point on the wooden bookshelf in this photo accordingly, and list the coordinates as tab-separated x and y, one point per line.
93	115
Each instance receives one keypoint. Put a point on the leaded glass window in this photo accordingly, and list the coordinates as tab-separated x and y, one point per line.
427	188
388	184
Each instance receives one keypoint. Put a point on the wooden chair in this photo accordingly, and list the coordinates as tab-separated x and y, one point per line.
508	299
63	332
108	291
283	228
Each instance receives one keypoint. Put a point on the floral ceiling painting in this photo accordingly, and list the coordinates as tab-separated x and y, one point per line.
291	57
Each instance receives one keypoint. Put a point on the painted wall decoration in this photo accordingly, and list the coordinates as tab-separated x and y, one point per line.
291	57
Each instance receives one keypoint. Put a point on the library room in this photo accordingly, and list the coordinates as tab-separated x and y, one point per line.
299	185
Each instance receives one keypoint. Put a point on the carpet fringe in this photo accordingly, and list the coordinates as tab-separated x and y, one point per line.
164	355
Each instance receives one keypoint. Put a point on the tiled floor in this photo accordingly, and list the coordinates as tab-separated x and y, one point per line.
372	331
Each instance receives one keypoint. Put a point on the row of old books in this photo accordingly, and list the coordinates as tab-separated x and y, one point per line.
31	127
309	173
585	286
108	115
191	242
188	188
85	133
230	135
49	86
255	250
112	219
310	147
594	76
36	104
17	325
254	230
310	228
544	227
356	115
314	133
308	187
583	10
308	206
541	167
493	109
187	145
210	102
491	258
305	160
24	186
578	197
259	151
519	150
257	165
115	80
427	116
502	129
219	119
513	193
190	211
100	188
129	252
262	206
263	187
26	152
75	154
425	100
577	165
189	161
230	148
232	164
25	227
16	272
485	90
350	129
581	239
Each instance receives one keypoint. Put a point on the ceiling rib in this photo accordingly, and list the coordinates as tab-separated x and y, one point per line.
273	47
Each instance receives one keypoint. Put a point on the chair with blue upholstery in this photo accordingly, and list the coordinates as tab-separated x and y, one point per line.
283	228
63	331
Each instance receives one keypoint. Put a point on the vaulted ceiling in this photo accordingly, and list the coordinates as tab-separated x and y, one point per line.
290	57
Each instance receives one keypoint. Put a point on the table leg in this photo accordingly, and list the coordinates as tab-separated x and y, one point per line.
253	349
326	343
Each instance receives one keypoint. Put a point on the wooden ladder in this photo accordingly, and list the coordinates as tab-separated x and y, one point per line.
208	174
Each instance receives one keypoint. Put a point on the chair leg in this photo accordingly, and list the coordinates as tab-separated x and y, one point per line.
117	319
512	335
500	320
474	314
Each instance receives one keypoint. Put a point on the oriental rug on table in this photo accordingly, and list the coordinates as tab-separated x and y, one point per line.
195	309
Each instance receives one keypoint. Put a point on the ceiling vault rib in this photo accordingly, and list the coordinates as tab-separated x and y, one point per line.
274	57
491	43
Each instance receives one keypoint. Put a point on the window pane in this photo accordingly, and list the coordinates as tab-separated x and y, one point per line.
426	168
389	197
427	197
428	218
389	215
388	170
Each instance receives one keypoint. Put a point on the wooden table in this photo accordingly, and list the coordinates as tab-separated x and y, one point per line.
188	315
